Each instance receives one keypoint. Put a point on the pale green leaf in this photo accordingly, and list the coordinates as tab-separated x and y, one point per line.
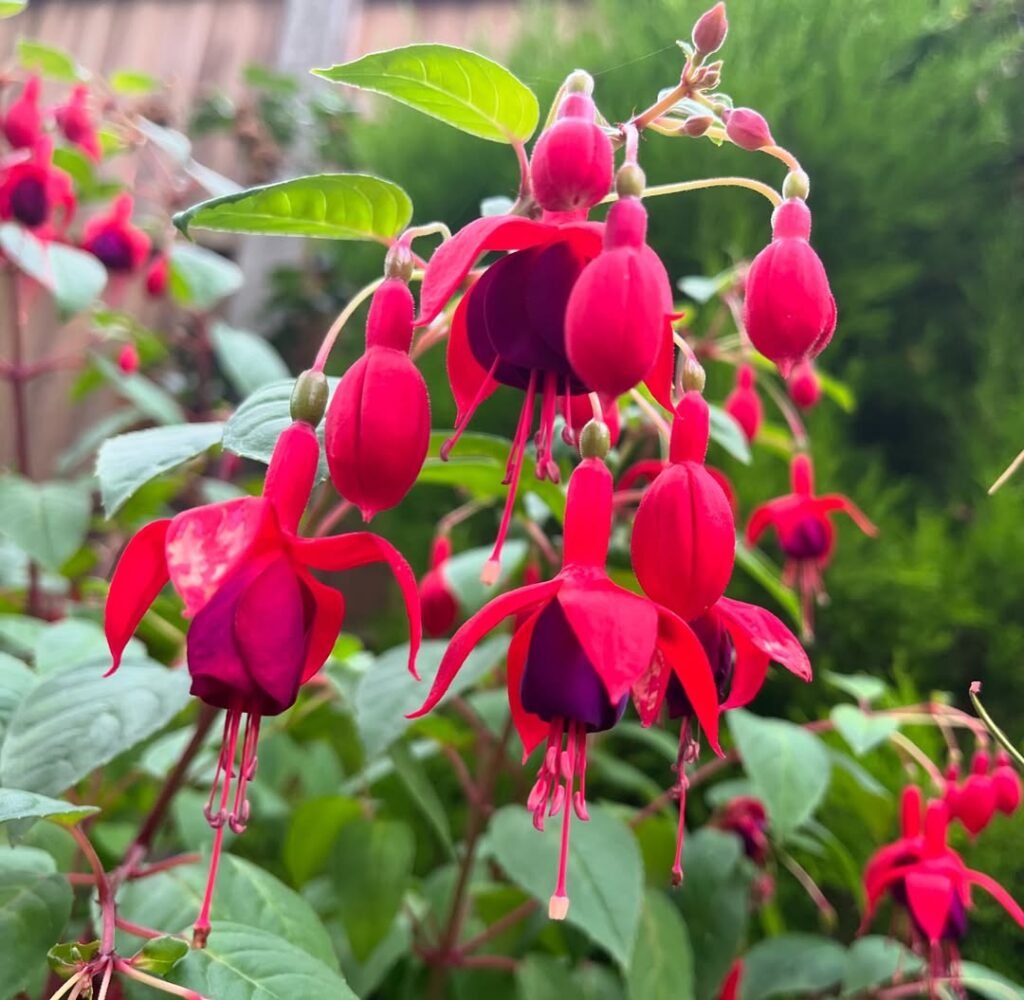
791	965
155	402
16	804
49	521
34	908
200	278
248	360
662	964
51	62
861	731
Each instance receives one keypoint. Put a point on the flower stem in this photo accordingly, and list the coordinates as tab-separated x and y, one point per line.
514	916
69	986
766	190
1007	473
1001	738
809	886
782	154
343	317
129	970
106	896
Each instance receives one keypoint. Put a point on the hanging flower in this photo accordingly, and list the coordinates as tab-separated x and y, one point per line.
439	604
805	533
746	817
574	658
377	429
1007	782
804	385
261	623
23	122
128	359
34	191
748	129
743	404
158	276
120	246
75	122
975	800
788	309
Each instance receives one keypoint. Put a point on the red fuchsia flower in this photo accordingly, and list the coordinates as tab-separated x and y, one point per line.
804	386
748	129
788	309
743	404
261	623
121	247
378	423
922	874
1007	782
128	359
75	122
572	661
805	533
438	604
619	317
33	191
23	123
158	276
578	411
746	817
650	468
974	802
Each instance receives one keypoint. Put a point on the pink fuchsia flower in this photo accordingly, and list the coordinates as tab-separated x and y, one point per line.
583	644
75	122
439	605
922	874
1007	782
743	404
650	468
23	122
746	817
804	385
158	276
121	247
377	429
788	309
805	533
33	191
261	623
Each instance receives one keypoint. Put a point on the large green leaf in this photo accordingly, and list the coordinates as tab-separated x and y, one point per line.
247	359
75	642
387	691
49	521
662	964
863	687
248	963
461	88
874	961
788	767
605	873
200	278
312	831
15	681
8	8
17	804
328	206
543	977
988	984
34	907
791	965
155	402
128	461
51	62
75	720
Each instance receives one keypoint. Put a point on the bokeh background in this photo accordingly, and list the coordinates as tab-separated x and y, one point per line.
909	118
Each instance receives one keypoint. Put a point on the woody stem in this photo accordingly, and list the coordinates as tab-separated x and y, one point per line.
106	896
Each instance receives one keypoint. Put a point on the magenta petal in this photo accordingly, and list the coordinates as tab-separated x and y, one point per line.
767	634
324	620
684	653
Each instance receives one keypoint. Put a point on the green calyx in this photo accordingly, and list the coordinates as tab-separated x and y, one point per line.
309	397
595	439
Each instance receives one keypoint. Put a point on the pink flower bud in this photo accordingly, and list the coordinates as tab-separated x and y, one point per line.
571	167
23	123
697	125
744	405
618	310
1007	784
789	311
158	276
976	803
75	122
748	129
710	30
804	386
378	422
128	359
438	603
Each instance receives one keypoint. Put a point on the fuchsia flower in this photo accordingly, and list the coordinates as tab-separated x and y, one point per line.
805	533
747	818
743	404
33	191
75	122
23	123
261	624
974	802
1007	782
573	659
788	309
733	982
158	276
926	877
377	429
804	385
438	604
120	246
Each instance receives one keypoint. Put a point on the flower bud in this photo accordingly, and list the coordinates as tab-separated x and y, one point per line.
697	125
711	76
976	803
309	398
128	359
694	377
804	386
1007	784
75	122
580	410
438	604
710	30
571	166
23	123
158	276
796	185
630	181
595	439
744	405
748	129
788	310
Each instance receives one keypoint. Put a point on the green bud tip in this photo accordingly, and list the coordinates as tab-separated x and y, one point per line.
630	181
579	81
595	439
693	375
309	397
398	263
796	185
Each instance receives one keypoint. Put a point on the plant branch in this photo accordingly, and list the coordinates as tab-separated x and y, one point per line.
103	889
1001	738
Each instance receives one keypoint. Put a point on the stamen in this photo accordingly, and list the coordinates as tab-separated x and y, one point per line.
217	819
247	770
558	905
546	466
686	748
579	799
569	436
464	418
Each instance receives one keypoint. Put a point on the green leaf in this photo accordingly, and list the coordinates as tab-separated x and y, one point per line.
20	633
387	691
326	206
75	720
839	392
605	873
133	83
247	359
873	961
727	432
461	88
16	804
761	569
544	977
156	403
200	278
8	8
861	731
863	687
92	436
988	984
49	521
34	908
128	461
50	62
75	642
662	964
791	965
245	895
423	793
370	868
788	767
312	831
159	955
247	963
15	681
462	573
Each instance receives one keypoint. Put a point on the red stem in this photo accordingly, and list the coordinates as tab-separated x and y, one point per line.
106	897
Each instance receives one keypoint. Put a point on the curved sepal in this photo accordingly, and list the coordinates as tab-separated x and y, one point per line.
532	729
837	502
685	655
328	613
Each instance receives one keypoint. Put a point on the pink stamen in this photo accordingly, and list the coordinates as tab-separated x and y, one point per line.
558	905
463	422
686	753
213	819
247	769
546	466
568	434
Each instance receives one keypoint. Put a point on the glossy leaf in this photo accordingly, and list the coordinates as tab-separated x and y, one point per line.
459	87
662	964
791	965
159	955
16	804
51	62
788	767
49	521
128	461
605	874
200	278
248	360
861	731
312	831
327	206
34	909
